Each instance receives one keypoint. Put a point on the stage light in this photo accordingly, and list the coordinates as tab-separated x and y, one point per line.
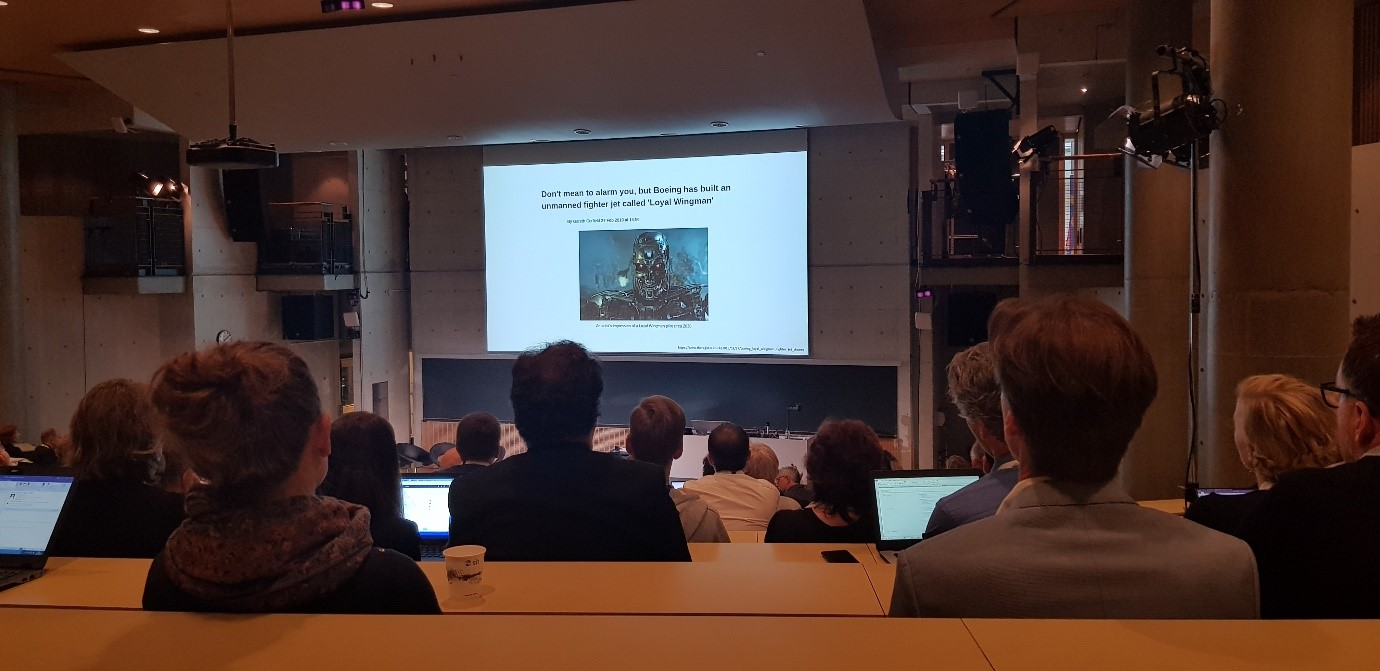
157	187
1172	135
1044	142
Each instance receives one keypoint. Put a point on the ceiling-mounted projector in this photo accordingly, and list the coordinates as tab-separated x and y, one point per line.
232	154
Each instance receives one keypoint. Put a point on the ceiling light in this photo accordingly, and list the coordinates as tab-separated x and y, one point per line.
761	53
329	6
149	31
1083	89
583	131
381	5
232	152
3	3
338	143
718	124
455	137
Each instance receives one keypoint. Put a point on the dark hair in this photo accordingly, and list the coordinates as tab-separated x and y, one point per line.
7	434
364	464
113	436
241	413
555	394
48	436
656	430
728	447
1361	364
477	437
840	460
1077	380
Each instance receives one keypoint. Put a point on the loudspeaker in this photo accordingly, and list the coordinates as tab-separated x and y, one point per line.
246	204
968	313
308	317
982	157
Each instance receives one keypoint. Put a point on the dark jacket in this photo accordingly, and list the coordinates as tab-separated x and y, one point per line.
1224	512
387	584
1315	542
568	503
105	518
803	526
397	534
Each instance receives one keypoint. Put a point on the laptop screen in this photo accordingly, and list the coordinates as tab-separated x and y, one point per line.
29	509
905	499
426	501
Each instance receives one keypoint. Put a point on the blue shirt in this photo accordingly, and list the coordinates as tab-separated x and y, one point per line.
976	501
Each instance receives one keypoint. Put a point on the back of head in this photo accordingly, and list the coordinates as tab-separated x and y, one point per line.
1285	425
113	434
728	447
761	462
8	434
555	395
840	459
48	436
1077	381
364	464
1361	364
790	472
656	430
241	414
478	437
972	377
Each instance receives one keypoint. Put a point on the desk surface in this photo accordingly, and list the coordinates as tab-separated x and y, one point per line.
777	552
1148	645
709	587
93	639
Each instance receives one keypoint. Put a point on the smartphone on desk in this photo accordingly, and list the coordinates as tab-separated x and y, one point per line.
838	557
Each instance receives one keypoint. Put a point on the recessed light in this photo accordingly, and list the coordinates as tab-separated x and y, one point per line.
149	31
3	3
455	137
381	5
583	131
338	143
761	53
1083	89
718	124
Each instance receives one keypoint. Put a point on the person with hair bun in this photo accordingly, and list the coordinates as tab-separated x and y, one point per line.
116	508
840	460
1282	425
247	417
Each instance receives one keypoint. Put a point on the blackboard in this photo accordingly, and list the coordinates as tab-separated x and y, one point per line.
748	394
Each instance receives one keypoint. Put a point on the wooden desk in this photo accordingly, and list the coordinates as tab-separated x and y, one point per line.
85	639
1129	645
883	578
700	588
778	552
711	587
1171	506
746	536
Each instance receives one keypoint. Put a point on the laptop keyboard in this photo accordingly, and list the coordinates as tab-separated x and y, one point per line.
6	573
433	551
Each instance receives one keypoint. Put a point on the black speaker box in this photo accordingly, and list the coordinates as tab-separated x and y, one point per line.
246	204
308	317
968	314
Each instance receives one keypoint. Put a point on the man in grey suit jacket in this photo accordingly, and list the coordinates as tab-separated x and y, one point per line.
1068	541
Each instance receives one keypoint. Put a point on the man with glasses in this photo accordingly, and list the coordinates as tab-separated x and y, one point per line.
1316	536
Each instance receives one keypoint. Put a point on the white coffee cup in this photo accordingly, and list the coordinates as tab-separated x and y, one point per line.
464	570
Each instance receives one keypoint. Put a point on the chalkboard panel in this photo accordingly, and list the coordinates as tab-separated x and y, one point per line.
751	395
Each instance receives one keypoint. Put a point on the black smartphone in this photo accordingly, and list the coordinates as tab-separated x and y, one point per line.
839	557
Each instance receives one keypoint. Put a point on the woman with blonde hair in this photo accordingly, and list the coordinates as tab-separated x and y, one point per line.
1281	425
247	417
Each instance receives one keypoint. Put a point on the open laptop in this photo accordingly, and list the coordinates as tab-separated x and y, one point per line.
905	500
30	506
426	502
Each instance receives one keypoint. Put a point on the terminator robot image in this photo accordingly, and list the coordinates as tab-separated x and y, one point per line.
667	278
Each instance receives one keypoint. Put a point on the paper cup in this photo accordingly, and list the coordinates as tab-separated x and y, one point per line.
464	570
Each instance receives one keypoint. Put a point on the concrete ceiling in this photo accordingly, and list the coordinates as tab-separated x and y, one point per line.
620	69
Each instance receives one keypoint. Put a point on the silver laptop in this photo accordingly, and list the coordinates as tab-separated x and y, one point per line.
30	506
905	500
426	502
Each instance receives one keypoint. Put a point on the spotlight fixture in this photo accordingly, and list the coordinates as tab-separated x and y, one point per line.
330	6
233	152
149	31
583	131
719	124
157	187
1172	135
1043	143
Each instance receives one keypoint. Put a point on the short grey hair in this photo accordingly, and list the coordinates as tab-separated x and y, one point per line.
791	472
972	377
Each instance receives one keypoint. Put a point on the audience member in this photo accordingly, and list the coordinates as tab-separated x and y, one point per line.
957	462
9	441
116	508
656	434
743	502
1314	535
44	455
363	469
761	462
972	378
788	483
1068	542
1282	425
176	478
477	444
247	416
979	459
840	458
561	500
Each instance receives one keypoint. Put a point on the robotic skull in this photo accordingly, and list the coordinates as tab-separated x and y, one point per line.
650	265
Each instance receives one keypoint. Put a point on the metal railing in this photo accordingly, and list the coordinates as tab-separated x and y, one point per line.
1078	207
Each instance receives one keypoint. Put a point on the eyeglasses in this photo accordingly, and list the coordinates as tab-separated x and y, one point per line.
1333	395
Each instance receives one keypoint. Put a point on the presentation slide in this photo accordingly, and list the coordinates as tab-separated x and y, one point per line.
685	255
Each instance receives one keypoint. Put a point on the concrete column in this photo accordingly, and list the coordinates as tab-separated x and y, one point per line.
1280	195
1157	263
1026	125
13	394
